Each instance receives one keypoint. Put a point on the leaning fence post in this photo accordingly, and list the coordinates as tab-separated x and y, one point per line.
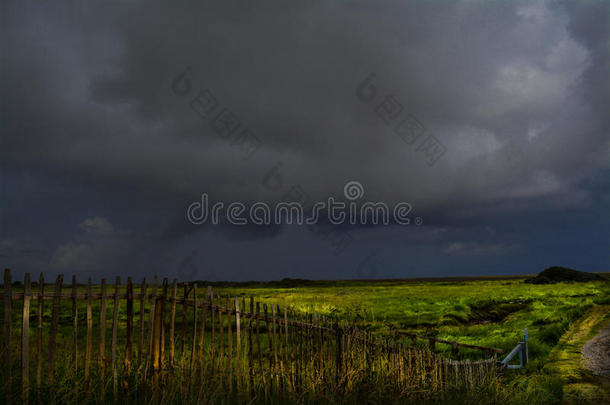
204	315
213	335
39	337
113	349
129	330
53	337
152	317
103	337
8	302
74	328
193	345
230	343
183	325
89	331
250	347
237	332
141	349
162	325
74	334
25	341
172	324
221	339
258	338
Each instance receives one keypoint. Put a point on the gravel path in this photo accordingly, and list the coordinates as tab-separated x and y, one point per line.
596	353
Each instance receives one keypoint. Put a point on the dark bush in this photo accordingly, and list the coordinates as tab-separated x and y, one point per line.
558	274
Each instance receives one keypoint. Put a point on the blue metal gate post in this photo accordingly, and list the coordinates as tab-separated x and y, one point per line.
526	353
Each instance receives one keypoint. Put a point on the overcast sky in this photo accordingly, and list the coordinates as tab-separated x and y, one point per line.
104	145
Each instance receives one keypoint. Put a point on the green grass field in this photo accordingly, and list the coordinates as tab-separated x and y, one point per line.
486	312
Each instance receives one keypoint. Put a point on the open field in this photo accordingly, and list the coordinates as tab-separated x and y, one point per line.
488	312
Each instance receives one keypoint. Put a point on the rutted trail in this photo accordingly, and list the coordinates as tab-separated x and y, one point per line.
596	353
582	358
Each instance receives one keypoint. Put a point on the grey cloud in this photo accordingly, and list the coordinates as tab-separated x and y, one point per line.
516	91
290	75
471	73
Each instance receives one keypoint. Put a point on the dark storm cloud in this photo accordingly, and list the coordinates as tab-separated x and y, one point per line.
516	91
495	83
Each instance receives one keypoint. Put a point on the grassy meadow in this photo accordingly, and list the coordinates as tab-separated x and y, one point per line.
487	312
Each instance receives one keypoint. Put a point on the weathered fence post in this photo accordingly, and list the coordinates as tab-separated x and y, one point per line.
39	337
250	348
129	333
194	346
103	337
115	321
53	336
244	340
162	320
258	338
25	341
89	330
271	345
152	319
221	339
278	348
300	350
286	347
74	326
230	342
172	324
237	331
8	321
155	337
204	315
141	350
293	355
185	293
213	338
270	339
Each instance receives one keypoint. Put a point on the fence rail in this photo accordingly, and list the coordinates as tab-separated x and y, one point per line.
454	345
244	347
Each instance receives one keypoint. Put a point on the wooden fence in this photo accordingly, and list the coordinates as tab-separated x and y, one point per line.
145	335
432	341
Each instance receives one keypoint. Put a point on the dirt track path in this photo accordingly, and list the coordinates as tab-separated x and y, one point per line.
581	358
596	353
